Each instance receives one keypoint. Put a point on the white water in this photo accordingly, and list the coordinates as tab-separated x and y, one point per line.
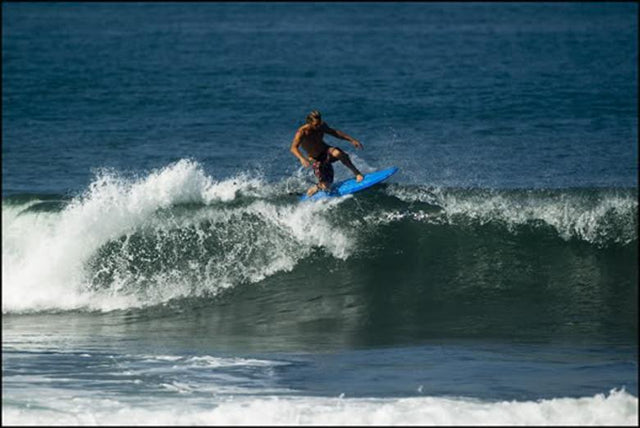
615	408
45	254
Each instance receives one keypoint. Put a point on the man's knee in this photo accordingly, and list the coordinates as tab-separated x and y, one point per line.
338	154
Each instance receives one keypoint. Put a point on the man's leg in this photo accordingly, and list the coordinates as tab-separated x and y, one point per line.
338	154
324	173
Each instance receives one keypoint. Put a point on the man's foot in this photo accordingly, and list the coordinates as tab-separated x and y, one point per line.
359	178
311	191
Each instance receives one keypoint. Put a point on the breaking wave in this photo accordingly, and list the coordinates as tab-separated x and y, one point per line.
176	232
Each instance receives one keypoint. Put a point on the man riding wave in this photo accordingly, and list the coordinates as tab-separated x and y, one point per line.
320	155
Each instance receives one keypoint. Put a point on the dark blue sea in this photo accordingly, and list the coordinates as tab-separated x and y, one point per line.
158	267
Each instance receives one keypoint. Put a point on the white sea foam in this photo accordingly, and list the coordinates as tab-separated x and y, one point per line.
597	219
209	362
45	255
615	408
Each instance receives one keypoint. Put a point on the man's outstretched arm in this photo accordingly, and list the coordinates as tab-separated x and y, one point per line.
339	134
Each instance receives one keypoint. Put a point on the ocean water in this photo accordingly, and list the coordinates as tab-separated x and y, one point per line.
158	268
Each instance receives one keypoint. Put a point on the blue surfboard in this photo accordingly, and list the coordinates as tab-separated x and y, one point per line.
349	186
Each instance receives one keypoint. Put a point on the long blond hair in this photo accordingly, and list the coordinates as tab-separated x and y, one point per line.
313	116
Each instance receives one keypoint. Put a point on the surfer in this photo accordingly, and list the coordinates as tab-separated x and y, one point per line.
320	154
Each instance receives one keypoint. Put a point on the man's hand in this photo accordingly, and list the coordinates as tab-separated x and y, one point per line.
357	144
305	163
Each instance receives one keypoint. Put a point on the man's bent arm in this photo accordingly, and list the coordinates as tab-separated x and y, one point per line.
296	151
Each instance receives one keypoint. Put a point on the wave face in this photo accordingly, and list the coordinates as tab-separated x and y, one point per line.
176	234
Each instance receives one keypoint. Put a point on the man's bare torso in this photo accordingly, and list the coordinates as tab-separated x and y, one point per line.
312	141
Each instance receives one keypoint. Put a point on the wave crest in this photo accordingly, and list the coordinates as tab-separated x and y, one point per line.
597	216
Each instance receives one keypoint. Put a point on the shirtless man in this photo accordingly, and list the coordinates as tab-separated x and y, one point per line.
320	154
